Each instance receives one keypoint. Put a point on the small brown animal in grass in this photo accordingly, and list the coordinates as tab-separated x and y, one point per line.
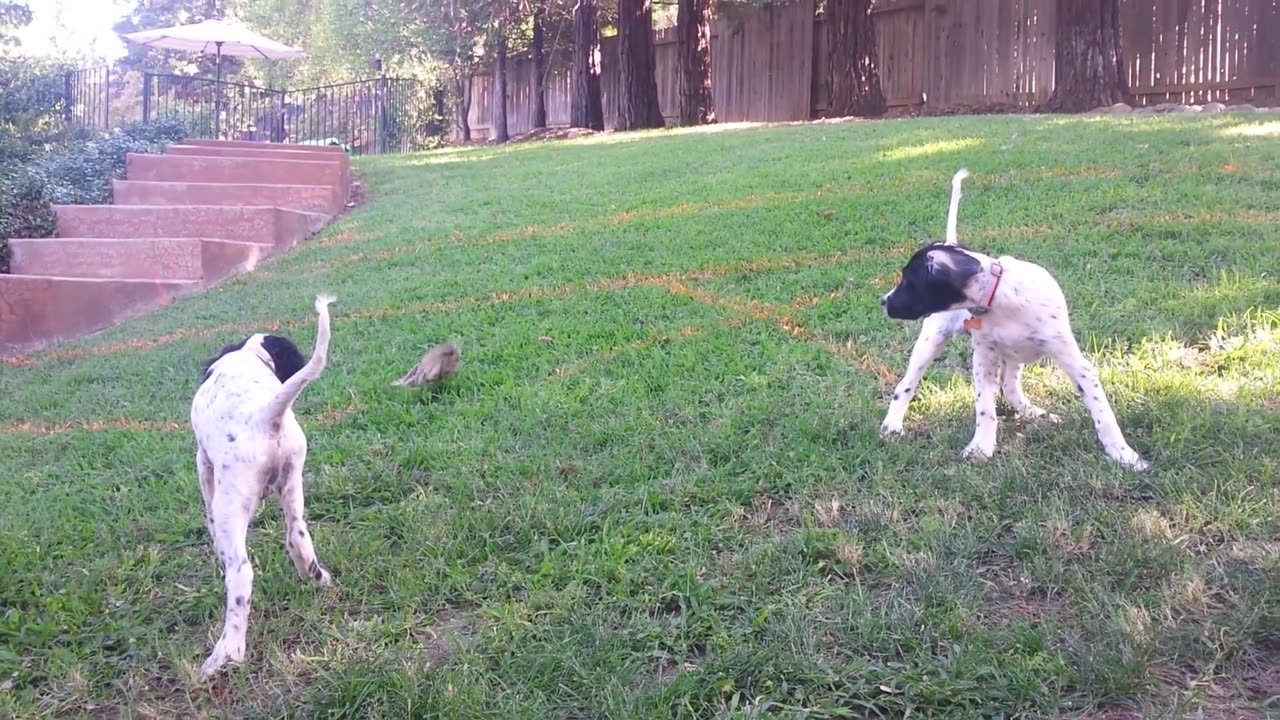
439	363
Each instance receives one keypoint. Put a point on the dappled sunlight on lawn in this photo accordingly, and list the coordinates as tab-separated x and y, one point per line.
1240	358
936	147
1266	129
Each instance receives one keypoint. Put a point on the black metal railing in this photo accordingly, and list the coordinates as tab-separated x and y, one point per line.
87	97
213	109
368	117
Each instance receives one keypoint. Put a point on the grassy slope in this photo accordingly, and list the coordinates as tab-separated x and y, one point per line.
655	488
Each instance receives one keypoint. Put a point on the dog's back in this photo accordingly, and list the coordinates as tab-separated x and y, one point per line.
247	391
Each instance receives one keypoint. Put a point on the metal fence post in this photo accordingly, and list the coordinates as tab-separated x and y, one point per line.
68	95
381	100
106	98
282	119
146	97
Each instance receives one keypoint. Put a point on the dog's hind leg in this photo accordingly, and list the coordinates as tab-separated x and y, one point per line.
1085	376
231	515
933	337
1011	388
297	537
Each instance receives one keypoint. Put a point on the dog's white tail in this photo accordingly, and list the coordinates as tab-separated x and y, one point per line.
954	210
292	387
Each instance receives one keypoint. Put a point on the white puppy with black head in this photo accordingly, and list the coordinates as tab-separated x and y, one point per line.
249	445
1014	313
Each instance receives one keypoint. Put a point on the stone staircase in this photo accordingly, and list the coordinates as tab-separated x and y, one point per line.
204	211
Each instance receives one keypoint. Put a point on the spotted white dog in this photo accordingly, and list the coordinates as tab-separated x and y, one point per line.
249	445
1014	313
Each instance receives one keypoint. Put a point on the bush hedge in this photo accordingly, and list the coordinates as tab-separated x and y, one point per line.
76	171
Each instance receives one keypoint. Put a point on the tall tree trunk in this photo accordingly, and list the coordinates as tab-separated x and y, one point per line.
1088	68
539	65
693	31
499	105
586	109
637	80
462	103
853	63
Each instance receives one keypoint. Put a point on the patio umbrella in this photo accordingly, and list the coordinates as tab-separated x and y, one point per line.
215	37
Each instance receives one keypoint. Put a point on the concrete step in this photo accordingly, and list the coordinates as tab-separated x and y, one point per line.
261	144
222	259
275	153
39	311
261	171
305	198
107	258
264	225
200	259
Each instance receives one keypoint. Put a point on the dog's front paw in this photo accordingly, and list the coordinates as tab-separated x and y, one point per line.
978	451
317	572
889	428
1133	461
225	653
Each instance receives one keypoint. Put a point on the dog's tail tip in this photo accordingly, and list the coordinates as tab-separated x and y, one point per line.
324	300
961	174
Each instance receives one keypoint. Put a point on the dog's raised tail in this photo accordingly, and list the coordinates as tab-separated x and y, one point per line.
954	211
292	387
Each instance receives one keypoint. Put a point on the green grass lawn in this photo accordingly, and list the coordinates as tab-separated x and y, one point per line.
656	487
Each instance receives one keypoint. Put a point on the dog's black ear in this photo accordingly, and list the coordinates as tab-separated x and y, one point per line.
951	266
284	356
233	347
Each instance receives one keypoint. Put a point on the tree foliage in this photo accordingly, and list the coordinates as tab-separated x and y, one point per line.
14	15
443	40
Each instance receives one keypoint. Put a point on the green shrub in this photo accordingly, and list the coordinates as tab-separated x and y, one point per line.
78	173
32	101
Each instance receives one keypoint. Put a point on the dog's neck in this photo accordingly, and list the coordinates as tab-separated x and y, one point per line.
262	354
987	285
254	348
987	292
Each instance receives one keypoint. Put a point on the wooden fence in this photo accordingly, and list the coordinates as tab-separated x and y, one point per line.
770	64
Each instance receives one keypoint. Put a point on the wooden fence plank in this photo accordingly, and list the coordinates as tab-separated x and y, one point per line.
770	64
